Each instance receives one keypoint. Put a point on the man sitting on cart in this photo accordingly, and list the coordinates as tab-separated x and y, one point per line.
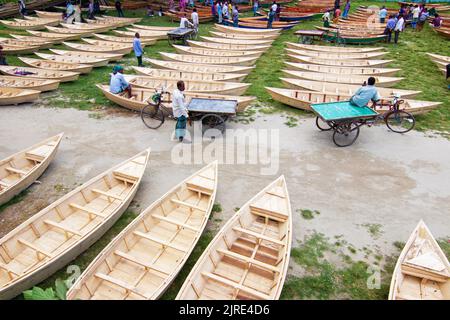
368	92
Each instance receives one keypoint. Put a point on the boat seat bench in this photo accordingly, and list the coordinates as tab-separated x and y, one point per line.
87	210
135	260
176	222
121	284
159	241
249	260
188	205
15	170
107	194
258	235
61	227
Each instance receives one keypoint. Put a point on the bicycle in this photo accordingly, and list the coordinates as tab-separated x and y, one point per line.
155	112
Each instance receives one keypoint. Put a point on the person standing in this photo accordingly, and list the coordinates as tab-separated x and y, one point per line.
346	9
255	7
219	12
274	9
22	8
96	7
77	12
137	47
415	17
2	57
337	14
382	14
195	20
326	19
235	15
180	111
225	11
278	12
184	22
70	12
270	18
171	5
389	28
91	9
400	25
213	11
118	5
422	19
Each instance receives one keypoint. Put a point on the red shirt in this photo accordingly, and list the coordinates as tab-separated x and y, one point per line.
337	13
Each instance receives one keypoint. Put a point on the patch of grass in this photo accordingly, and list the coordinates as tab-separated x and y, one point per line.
399	245
374	229
445	246
236	209
217	207
59	187
14	200
308	214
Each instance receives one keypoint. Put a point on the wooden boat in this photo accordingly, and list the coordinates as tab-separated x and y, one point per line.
144	94
352	32
19	171
57	234
262	25
109	44
225	88
217	53
203	68
74	32
24	43
354	39
89	27
343	89
69	59
119	48
234	41
443	32
54	36
342	70
438	57
48	14
148	33
9	49
175	74
330	49
15	96
24	83
240	61
303	99
422	271
267	38
350	79
227	46
131	34
28	24
249	256
228	29
340	62
120	19
143	260
154	28
55	65
335	55
35	41
62	76
86	54
144	41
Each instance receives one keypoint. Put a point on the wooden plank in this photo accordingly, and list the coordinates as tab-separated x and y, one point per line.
107	194
18	171
248	260
139	262
235	285
90	211
4	184
35	248
8	270
187	205
121	284
159	241
258	235
63	228
175	222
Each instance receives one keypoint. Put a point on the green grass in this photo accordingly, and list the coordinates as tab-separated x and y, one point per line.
308	214
374	229
14	200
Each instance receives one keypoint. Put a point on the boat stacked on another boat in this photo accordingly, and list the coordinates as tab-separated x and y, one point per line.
19	24
112	47
27	72
32	83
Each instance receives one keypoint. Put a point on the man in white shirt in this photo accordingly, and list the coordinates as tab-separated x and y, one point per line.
184	22
399	27
180	111
225	10
274	6
416	14
194	17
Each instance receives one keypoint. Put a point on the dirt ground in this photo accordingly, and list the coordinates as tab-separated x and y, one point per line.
385	178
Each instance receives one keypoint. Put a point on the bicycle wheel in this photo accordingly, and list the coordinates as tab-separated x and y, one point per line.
400	121
152	116
322	125
345	134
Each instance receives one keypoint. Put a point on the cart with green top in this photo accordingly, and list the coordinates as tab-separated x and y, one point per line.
345	119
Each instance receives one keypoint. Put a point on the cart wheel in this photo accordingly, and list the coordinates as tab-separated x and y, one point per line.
345	134
322	125
171	40
211	123
400	121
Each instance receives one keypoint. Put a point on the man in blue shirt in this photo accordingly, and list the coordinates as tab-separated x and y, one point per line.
365	94
390	27
118	84
137	47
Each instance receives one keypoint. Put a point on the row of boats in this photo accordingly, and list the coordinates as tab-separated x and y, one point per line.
247	259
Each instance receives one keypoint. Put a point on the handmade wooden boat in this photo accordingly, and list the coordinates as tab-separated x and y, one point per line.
24	43
438	57
227	46
144	41
342	88
110	44
119	49
175	74
146	35
54	36
303	99
350	79
74	32
335	55
24	83
330	49
120	19
48	14
43	43
442	32
347	39
262	25
222	87
194	67
352	32
9	49
57	234
240	61
55	65
86	27
143	95
267	38
235	41
154	28
249	256
19	171
28	24
422	271
15	96
217	53
87	54
342	70
228	29
62	76
339	62
76	60
143	260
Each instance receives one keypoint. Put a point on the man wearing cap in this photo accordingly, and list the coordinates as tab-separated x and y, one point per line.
118	84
